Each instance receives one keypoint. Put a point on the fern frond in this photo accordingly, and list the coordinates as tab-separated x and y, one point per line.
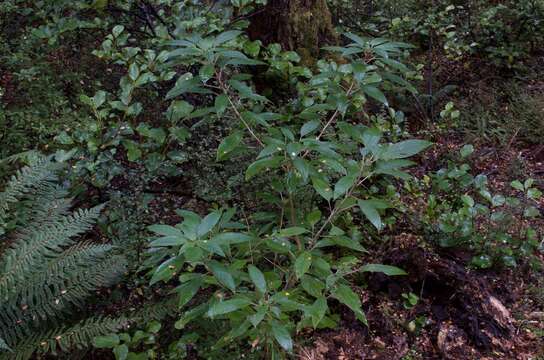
45	273
42	171
65	338
29	156
70	280
42	241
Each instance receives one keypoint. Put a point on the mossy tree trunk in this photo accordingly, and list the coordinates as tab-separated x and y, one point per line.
300	25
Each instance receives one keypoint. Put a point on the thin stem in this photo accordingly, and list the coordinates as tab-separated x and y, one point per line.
233	106
331	119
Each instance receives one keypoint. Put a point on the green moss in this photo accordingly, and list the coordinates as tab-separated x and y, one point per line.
305	27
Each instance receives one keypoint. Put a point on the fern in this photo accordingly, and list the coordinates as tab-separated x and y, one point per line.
65	338
46	272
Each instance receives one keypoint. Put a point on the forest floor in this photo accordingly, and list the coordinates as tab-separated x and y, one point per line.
461	313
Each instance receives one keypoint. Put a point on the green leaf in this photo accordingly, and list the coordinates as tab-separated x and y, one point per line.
312	286
231	238
318	310
314	217
179	109
405	149
228	145
226	36
534	194
386	269
516	184
303	167
227	306
346	296
371	138
292	231
257	277
302	264
106	341
166	270
256	318
133	71
187	291
261	165
343	185
281	334
531	212
375	93
165	230
120	352
309	127
498	200
208	223
221	104
133	150
222	275
467	150
166	241
245	91
368	208
322	187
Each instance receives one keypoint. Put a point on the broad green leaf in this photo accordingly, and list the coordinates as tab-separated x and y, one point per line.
375	93
208	223
179	109
303	167
187	291
318	310
227	306
222	275
516	184
309	127
231	238
106	341
120	352
168	241
302	264
292	231
262	165
256	318
346	296
312	286
322	187
165	230
368	208
342	241
371	138
386	269
466	150
166	270
133	71
245	91
257	278
313	217
228	145
498	200
221	104
282	336
226	36
405	149
192	253
343	185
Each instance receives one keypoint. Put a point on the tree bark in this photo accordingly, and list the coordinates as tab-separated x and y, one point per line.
299	25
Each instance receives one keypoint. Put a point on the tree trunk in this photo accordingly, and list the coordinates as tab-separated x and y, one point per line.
300	25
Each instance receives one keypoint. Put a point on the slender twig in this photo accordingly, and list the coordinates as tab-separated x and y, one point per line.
233	106
331	120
